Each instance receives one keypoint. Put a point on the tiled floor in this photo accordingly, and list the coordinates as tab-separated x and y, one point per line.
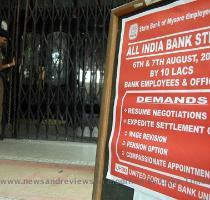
48	151
21	180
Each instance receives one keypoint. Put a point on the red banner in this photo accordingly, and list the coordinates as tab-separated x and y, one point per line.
160	140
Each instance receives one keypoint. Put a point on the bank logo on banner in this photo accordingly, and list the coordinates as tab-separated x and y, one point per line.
121	169
133	31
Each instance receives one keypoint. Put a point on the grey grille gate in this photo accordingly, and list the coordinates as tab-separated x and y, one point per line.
54	93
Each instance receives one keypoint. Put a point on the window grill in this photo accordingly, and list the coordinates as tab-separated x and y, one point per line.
55	90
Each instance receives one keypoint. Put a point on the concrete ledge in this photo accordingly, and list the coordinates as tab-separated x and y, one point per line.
48	152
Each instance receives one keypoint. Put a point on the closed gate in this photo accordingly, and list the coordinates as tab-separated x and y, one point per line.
54	93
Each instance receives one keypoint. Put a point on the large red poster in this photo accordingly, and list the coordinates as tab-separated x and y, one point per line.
160	140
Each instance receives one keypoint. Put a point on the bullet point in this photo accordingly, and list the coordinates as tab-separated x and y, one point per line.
123	153
123	143
125	121
125	110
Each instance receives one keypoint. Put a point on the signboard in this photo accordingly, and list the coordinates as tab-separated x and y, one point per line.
160	139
